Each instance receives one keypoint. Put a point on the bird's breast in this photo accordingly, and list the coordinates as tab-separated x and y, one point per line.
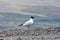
31	21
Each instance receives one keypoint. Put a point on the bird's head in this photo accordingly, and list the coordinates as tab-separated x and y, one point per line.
32	17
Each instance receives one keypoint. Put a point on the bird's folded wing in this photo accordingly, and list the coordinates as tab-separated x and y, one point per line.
27	23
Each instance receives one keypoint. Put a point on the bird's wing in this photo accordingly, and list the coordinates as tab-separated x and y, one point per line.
27	23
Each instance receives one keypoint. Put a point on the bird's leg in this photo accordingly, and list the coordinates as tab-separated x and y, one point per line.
28	26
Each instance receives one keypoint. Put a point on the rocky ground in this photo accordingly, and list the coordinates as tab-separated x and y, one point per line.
41	33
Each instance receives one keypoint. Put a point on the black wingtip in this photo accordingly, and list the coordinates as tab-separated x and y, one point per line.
21	25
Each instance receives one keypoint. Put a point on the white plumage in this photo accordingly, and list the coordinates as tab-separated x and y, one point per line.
28	23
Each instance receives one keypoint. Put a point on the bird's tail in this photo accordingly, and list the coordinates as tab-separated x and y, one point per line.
21	25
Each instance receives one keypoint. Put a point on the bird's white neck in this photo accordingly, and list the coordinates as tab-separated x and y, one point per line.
30	18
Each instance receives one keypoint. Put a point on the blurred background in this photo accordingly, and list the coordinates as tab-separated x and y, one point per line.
15	12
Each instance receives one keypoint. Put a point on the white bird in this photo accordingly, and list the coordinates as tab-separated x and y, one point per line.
29	22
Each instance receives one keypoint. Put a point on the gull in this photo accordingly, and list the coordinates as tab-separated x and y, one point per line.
29	22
